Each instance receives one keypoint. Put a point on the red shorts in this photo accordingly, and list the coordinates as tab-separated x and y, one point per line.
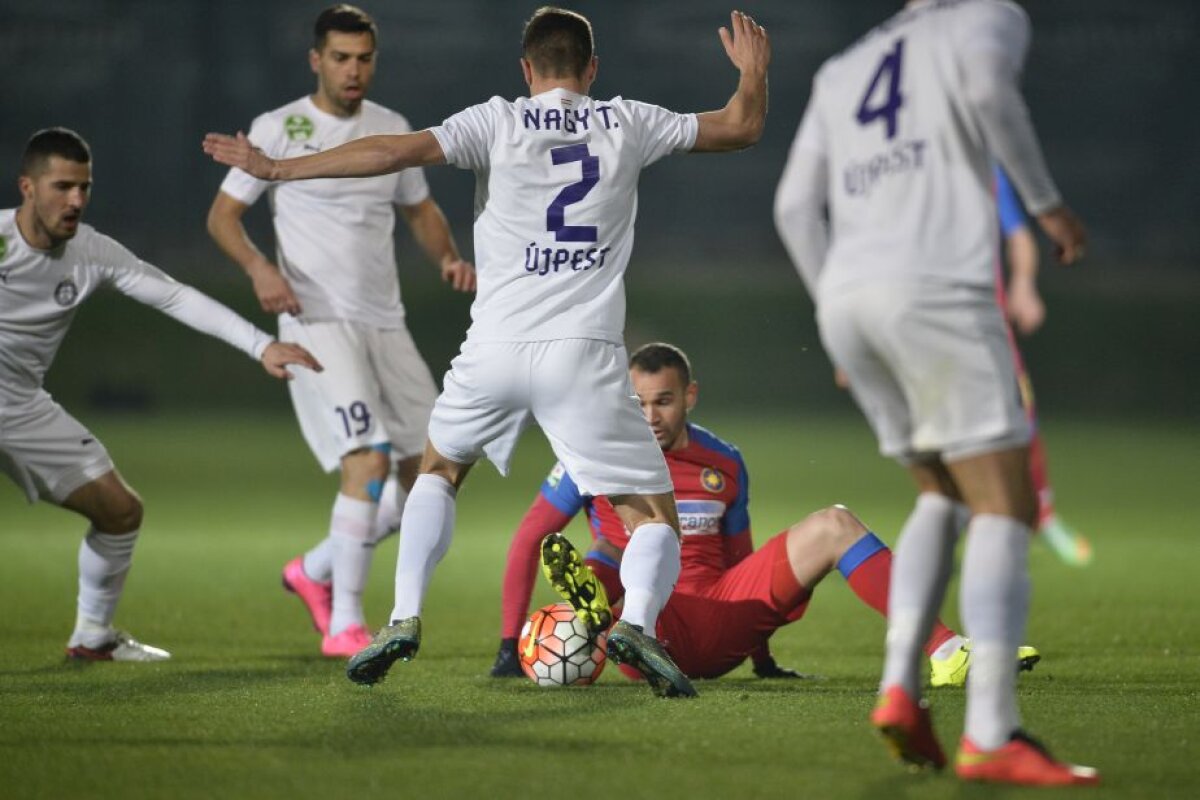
711	628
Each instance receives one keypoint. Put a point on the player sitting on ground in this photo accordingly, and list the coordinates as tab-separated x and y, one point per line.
729	598
50	262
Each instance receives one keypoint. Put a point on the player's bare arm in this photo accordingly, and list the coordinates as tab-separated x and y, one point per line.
279	355
740	123
225	226
432	232
361	158
1066	231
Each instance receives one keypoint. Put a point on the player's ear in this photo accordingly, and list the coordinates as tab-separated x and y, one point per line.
691	395
589	74
25	184
527	71
314	61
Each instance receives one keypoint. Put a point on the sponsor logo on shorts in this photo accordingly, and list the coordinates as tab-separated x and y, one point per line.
712	480
66	292
299	128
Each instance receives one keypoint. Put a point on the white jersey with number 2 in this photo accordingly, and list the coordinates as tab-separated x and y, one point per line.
556	198
902	127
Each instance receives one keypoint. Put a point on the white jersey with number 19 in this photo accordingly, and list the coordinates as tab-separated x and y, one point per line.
904	125
556	199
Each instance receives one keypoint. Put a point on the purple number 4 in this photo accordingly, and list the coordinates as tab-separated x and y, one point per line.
889	69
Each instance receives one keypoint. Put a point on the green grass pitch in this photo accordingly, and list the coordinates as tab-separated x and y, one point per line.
248	708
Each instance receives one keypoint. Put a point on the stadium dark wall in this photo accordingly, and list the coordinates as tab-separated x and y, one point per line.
144	80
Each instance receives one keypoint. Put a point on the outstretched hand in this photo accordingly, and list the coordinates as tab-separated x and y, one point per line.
236	151
746	43
279	355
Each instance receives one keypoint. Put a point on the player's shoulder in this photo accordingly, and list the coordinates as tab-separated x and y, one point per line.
703	437
970	15
385	117
277	118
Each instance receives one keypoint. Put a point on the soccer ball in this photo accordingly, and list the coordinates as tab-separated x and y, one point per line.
555	649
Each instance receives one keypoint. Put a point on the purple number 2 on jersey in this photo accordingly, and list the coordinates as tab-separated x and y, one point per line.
889	69
573	193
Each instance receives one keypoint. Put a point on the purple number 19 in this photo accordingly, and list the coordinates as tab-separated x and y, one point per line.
889	70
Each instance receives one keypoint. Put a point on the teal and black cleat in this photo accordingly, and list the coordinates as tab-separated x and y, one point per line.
396	642
576	583
627	644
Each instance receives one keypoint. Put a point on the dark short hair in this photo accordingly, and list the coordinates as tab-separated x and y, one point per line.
61	142
558	43
657	356
343	18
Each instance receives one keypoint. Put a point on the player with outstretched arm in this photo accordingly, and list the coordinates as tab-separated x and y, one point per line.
50	262
556	202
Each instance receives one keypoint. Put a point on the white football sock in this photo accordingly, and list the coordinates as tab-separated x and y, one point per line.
649	569
318	562
104	561
994	604
391	509
428	527
920	569
350	531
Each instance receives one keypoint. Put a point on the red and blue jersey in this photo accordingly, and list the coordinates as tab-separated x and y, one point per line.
711	493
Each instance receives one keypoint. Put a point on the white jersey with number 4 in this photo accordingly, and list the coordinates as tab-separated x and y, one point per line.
556	198
334	237
902	127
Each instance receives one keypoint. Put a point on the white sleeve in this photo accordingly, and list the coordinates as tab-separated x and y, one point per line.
801	199
992	42
242	186
662	132
466	137
148	284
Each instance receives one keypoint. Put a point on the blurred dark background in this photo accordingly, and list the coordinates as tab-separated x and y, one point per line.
1111	86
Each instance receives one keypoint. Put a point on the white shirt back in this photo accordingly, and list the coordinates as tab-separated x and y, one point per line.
556	199
908	170
40	291
334	238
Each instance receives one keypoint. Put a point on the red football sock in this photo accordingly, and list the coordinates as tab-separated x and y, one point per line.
871	580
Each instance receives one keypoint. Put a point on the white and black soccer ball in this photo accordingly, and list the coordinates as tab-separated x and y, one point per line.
555	649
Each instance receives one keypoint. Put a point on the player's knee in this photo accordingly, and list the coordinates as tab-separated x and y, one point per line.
120	513
364	468
834	528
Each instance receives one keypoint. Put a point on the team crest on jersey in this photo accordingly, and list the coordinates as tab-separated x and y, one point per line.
66	292
555	476
299	128
712	480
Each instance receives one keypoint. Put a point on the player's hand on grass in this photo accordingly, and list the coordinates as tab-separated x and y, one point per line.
767	668
746	43
1067	233
459	274
1025	306
236	151
273	291
280	355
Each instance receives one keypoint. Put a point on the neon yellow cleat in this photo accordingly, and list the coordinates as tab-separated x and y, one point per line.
1072	548
576	583
952	671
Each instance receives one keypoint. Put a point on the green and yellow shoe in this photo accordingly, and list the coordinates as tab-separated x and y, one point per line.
396	642
1071	547
576	583
952	671
628	644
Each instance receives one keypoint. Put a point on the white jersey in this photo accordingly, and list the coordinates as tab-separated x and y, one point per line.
334	237
897	141
40	290
556	198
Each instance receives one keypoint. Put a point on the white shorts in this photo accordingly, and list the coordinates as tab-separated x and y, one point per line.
375	390
929	365
46	451
577	390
